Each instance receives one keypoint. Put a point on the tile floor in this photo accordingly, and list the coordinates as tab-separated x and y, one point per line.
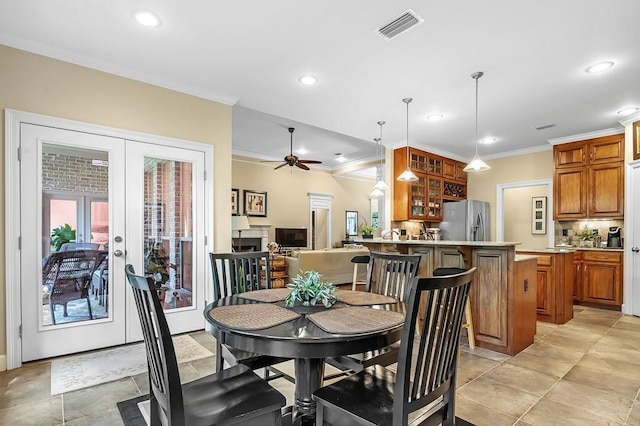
585	372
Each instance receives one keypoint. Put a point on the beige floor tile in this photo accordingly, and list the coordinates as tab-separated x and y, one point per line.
608	366
108	418
522	378
506	399
475	364
551	413
553	367
598	402
47	412
630	319
617	348
626	387
97	399
29	371
204	366
554	352
205	339
22	392
626	325
485	353
481	415
465	376
623	333
576	339
589	325
545	327
634	415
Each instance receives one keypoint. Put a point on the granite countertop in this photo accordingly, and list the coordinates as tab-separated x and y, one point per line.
438	243
565	249
521	257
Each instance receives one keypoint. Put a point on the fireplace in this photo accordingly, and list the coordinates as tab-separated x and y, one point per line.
257	238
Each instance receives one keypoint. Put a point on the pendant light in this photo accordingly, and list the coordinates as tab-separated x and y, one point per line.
407	175
476	164
381	185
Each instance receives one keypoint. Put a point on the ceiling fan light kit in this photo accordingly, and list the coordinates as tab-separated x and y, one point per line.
476	164
293	160
407	175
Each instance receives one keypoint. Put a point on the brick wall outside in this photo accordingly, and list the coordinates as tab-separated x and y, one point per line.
73	174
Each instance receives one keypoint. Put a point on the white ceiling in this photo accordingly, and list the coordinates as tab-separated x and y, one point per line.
250	54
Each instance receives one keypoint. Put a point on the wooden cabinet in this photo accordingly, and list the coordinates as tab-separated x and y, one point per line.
425	268
602	278
589	178
555	286
577	276
422	200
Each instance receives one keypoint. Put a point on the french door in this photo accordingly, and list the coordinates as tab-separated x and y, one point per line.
136	202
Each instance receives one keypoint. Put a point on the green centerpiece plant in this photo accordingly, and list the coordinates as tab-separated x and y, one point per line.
309	289
367	231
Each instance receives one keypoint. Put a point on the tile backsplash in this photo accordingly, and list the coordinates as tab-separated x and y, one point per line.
602	226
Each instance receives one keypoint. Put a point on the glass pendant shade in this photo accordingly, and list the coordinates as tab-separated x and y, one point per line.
407	176
376	193
381	185
476	164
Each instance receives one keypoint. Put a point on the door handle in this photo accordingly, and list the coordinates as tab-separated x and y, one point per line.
117	253
635	249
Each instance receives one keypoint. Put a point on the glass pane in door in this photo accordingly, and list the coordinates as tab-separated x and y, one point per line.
168	229
74	269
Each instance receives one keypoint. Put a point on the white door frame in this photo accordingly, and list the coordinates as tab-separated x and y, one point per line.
500	207
13	119
321	202
631	276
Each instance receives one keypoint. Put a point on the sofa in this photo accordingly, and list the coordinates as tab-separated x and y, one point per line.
333	264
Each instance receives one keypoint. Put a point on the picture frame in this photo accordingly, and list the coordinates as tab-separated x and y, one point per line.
538	215
255	203
636	140
351	223
235	202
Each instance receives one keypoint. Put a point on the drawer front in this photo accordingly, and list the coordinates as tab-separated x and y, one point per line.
602	256
544	260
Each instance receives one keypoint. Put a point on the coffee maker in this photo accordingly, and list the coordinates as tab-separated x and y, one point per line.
613	238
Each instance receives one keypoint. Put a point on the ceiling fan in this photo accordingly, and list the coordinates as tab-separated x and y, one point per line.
293	160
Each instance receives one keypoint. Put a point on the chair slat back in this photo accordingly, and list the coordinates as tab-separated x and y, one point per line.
235	273
428	353
164	378
389	274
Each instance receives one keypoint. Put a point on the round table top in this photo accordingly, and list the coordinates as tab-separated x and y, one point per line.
301	337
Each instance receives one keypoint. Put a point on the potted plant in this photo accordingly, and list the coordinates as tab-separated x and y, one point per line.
309	289
156	263
585	236
62	234
367	231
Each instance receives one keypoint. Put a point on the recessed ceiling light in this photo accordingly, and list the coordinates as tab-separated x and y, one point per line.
146	18
599	67
302	151
435	117
307	80
628	111
488	140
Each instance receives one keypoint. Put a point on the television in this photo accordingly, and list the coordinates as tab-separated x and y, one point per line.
291	237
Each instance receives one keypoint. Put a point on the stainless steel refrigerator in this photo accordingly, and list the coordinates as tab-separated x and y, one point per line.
465	221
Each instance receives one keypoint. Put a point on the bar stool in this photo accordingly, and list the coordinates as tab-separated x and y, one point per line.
468	320
357	261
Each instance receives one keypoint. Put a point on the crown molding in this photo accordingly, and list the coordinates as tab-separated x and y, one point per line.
588	135
627	121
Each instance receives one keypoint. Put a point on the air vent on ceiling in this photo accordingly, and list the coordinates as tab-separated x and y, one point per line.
399	24
544	126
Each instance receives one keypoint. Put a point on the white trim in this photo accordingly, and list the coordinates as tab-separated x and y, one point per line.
627	121
13	119
630	296
500	207
588	135
323	202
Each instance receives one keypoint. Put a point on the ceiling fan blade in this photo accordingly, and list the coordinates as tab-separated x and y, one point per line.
271	161
281	165
310	161
302	166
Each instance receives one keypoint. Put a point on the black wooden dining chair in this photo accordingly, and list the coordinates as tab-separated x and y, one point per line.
235	273
427	361
387	274
235	396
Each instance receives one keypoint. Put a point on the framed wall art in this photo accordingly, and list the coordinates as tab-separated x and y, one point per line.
255	203
539	215
235	201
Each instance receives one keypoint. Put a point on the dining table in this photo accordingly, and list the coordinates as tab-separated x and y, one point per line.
259	322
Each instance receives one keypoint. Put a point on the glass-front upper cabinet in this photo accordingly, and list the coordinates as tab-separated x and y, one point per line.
434	210
418	198
418	161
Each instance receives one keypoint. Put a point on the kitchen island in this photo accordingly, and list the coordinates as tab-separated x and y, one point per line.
503	293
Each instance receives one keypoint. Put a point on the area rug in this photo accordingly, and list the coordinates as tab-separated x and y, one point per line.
81	371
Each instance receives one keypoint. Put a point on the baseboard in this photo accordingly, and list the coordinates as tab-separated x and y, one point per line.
3	363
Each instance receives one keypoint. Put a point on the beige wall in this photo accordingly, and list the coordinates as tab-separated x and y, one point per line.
517	216
287	200
520	168
41	85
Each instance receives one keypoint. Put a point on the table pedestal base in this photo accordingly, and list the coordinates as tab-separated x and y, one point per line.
309	375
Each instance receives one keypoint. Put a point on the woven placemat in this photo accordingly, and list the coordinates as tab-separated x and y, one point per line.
363	298
251	316
356	320
267	296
